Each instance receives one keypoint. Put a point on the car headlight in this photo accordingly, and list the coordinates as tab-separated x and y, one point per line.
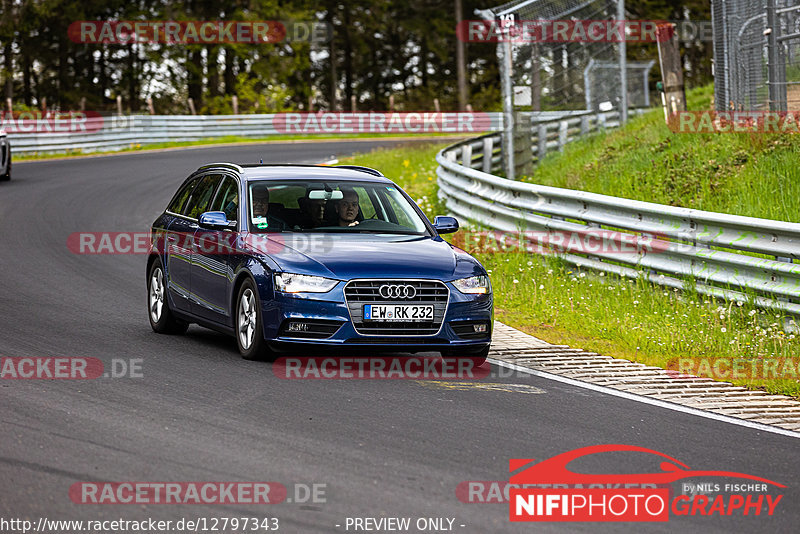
474	285
303	283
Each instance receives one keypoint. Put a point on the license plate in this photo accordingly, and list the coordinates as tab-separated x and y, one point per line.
398	312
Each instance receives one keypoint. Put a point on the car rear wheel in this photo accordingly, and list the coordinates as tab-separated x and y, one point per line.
249	328
161	318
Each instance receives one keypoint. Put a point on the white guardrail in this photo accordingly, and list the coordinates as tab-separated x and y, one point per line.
121	132
728	256
95	133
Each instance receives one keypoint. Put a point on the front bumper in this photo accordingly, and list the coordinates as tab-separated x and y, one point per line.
329	312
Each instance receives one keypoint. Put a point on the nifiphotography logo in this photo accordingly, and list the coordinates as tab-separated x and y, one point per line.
549	491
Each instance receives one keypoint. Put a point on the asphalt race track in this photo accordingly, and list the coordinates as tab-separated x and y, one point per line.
199	412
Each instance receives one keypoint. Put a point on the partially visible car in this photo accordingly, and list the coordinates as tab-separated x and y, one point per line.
5	156
237	251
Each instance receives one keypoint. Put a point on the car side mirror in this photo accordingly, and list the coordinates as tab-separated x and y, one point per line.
215	220
445	225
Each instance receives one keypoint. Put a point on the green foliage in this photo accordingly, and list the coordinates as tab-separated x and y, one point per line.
271	99
378	49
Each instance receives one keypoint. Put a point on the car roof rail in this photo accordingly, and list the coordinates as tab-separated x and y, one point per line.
233	166
360	168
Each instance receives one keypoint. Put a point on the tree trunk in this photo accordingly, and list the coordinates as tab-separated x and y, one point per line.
334	79
8	66
213	70
348	55
194	69
26	78
133	79
229	75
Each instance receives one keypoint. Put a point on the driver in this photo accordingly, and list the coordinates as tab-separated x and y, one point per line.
347	208
260	208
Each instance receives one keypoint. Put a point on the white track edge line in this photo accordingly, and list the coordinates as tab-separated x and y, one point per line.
647	400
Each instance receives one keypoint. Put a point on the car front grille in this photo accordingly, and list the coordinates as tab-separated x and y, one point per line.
360	292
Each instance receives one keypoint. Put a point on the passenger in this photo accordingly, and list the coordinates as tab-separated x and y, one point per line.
312	210
347	208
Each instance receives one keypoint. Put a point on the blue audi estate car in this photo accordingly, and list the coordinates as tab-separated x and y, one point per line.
284	256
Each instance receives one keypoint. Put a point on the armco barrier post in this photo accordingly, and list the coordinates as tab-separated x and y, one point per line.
523	163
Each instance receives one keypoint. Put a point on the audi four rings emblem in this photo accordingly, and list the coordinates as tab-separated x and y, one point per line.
397	291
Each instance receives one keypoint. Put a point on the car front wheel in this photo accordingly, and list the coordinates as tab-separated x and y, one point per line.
161	318
7	176
249	328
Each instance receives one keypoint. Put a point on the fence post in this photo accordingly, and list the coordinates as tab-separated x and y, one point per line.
504	58
488	150
466	156
562	135
623	68
776	68
584	125
523	151
542	134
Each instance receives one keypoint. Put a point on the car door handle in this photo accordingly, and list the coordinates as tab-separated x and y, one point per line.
171	238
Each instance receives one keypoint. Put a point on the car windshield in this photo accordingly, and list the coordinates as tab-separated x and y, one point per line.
329	206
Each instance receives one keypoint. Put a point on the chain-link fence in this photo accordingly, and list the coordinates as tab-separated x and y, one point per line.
756	54
554	68
601	84
549	63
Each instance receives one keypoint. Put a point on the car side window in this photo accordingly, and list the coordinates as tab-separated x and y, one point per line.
201	196
176	206
227	199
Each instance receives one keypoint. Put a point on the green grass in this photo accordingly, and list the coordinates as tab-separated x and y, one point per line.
639	321
741	173
230	139
632	319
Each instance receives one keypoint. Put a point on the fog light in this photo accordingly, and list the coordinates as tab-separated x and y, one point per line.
480	328
298	327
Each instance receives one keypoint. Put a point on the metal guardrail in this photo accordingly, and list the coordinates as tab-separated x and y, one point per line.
121	132
728	256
